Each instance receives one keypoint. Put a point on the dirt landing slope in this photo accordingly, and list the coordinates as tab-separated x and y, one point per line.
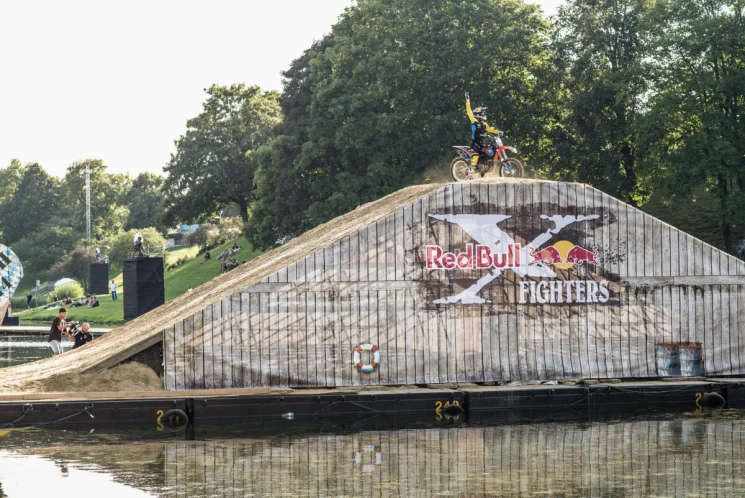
53	374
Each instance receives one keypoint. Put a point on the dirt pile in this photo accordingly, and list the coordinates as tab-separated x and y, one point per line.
127	377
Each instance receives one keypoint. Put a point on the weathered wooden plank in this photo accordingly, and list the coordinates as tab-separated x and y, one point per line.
226	327
739	355
345	338
336	248
197	346
410	338
363	248
358	321
179	355
708	333
353	258
266	345
318	266
190	355
526	198
609	359
251	303
169	358
246	339
316	357
590	335
386	334
213	360
399	241
237	319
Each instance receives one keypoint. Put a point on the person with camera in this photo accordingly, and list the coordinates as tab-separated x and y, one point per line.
80	334
55	333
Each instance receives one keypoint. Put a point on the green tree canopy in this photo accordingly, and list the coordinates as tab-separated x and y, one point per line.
696	126
108	214
212	166
144	201
382	96
36	199
600	47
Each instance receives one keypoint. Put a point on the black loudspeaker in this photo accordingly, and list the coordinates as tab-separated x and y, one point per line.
98	278
144	286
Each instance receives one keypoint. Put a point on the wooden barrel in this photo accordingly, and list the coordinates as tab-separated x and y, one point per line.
691	360
668	359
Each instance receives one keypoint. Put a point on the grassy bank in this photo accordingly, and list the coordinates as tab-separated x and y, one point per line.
177	281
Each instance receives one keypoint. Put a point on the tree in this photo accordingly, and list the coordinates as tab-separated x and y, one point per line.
40	249
695	124
108	214
35	200
212	166
75	265
382	96
122	245
600	47
144	201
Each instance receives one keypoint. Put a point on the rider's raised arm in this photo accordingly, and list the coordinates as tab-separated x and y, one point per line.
469	111
491	130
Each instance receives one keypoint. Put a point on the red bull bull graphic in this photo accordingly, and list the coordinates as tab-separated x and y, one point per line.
564	255
536	262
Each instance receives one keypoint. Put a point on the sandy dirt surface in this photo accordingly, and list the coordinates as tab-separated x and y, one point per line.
52	374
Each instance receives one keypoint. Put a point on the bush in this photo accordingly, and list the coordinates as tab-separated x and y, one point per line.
202	236
73	290
122	246
230	228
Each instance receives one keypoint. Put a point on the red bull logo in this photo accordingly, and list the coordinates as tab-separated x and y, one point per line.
479	257
564	255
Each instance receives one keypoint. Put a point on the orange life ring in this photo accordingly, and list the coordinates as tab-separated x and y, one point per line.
366	367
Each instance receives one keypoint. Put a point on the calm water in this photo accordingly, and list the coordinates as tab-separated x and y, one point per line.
693	455
17	349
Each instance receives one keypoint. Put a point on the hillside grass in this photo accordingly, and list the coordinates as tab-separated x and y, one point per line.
177	281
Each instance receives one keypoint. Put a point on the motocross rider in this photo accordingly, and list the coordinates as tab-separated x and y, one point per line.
478	127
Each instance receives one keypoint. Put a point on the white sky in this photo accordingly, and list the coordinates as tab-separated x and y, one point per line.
117	80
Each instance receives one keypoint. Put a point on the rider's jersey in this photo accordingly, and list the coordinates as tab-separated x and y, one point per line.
477	127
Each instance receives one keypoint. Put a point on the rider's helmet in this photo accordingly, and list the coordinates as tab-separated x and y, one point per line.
480	113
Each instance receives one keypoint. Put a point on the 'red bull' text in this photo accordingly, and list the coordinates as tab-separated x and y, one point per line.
473	258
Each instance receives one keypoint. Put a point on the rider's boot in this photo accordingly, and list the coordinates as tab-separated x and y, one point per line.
475	160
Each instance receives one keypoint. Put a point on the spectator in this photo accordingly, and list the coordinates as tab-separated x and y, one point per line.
66	300
740	249
138	252
82	337
29	297
98	254
207	257
55	332
93	301
112	288
79	302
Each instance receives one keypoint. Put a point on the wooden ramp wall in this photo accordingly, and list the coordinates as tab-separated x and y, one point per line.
299	326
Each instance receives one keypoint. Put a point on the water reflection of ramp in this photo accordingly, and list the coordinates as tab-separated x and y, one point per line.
667	458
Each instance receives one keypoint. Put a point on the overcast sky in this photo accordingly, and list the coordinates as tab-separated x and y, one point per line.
118	80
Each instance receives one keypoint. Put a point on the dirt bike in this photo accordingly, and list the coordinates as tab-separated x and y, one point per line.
493	154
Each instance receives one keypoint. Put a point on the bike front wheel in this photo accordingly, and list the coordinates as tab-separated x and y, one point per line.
461	170
511	168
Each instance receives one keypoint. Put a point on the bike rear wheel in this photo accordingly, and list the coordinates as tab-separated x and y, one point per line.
511	168
461	170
